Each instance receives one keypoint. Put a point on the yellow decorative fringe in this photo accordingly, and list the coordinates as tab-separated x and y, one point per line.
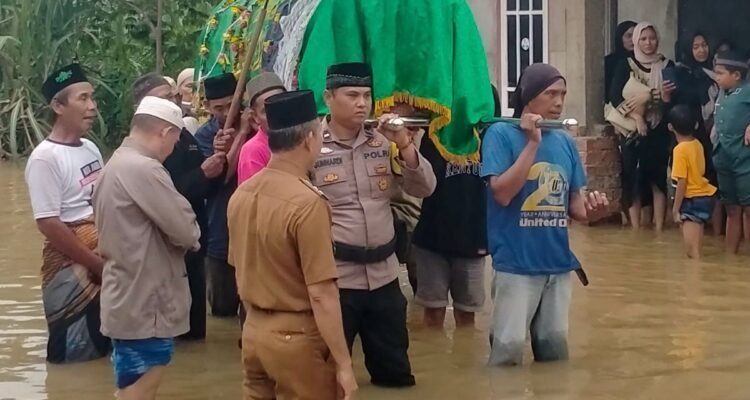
442	119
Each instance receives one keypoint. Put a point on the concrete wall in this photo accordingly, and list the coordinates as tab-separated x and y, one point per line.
576	48
661	13
487	16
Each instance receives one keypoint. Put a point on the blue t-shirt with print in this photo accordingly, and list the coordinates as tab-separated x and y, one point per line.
530	235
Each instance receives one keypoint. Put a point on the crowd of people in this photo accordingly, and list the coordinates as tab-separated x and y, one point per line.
299	224
683	130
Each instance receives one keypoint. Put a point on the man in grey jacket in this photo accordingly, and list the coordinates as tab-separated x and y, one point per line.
145	227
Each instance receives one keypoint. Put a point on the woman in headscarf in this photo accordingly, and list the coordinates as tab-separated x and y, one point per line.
697	88
696	81
640	93
623	49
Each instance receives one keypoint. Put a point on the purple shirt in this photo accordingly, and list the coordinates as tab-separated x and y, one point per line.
254	156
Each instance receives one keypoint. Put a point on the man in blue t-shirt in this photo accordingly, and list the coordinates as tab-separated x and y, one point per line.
536	183
220	277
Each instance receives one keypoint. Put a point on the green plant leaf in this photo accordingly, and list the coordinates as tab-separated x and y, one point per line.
6	39
13	126
38	133
28	135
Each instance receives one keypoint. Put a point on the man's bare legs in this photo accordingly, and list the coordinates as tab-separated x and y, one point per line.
144	388
734	229
463	319
717	219
435	318
746	224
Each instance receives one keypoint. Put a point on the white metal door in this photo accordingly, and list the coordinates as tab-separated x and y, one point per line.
524	37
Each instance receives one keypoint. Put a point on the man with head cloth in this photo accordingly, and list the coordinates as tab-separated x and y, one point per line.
355	173
146	227
60	174
293	343
536	182
196	177
212	139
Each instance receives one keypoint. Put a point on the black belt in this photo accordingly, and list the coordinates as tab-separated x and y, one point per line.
582	276
364	255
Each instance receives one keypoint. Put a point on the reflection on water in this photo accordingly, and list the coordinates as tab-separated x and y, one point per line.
652	325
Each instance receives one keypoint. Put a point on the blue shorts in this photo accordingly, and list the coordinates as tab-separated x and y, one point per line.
697	209
131	359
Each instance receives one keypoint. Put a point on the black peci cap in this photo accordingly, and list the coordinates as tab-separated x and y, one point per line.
220	86
349	74
62	78
291	109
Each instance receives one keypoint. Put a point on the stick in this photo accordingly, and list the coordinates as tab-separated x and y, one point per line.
568	123
234	109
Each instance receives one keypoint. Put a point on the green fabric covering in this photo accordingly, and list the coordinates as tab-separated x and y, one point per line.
426	53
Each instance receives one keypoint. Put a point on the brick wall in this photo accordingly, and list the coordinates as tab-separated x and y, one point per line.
601	161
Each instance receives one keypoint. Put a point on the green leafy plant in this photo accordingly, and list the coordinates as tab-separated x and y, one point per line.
116	40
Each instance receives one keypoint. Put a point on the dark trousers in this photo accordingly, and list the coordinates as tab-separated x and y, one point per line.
403	251
196	272
379	318
222	288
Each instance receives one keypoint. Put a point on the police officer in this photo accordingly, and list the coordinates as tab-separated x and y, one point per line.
280	243
355	173
196	178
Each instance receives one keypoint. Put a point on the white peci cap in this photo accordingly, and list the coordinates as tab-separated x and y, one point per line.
162	109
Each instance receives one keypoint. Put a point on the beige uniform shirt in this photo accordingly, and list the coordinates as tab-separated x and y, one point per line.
279	240
359	182
145	227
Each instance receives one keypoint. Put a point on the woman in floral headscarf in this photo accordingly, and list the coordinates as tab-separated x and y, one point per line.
640	93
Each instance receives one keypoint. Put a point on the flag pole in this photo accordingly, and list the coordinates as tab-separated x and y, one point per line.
234	109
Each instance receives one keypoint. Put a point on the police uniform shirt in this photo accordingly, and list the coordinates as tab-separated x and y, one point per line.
358	180
279	240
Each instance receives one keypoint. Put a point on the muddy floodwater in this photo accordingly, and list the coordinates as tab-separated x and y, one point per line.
652	325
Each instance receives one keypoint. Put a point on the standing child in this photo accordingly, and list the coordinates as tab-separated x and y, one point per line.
694	197
732	137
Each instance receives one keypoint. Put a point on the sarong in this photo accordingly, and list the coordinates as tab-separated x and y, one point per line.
71	303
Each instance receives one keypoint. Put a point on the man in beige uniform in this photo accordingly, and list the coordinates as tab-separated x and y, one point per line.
145	229
280	243
354	171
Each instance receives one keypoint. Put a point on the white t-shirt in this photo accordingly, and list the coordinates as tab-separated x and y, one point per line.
61	178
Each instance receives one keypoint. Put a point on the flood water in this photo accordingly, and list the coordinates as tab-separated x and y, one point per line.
652	325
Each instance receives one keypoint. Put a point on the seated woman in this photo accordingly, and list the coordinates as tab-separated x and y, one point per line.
641	97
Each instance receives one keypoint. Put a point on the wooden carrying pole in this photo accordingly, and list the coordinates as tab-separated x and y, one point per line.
234	109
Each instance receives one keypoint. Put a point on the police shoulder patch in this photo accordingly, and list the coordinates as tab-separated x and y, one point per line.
313	188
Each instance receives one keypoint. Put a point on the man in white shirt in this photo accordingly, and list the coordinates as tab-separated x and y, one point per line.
60	174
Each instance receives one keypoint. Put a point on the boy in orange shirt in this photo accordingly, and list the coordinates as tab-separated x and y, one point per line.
694	197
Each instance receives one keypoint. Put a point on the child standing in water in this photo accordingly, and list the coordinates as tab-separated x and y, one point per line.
731	135
694	197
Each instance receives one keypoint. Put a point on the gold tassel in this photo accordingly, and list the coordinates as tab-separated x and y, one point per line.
444	117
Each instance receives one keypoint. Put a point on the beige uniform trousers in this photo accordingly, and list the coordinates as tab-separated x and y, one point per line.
285	358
